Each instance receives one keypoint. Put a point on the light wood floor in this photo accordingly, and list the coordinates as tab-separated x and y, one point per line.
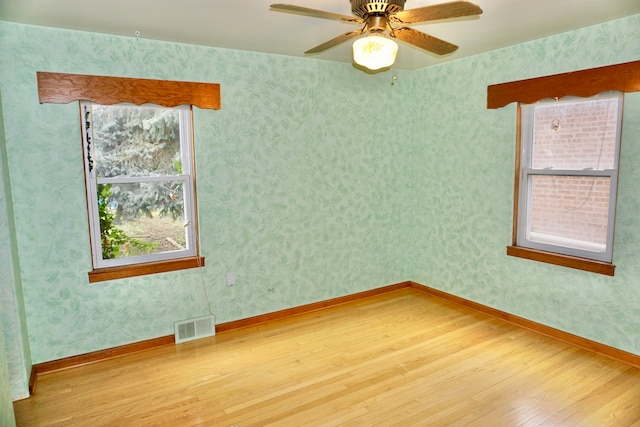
403	358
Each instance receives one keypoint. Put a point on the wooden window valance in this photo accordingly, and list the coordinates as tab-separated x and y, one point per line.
623	77
60	88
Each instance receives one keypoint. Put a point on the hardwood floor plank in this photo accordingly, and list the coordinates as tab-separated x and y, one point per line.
623	410
403	358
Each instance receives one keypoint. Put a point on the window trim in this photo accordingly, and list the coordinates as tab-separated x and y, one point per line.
623	77
562	260
63	88
142	269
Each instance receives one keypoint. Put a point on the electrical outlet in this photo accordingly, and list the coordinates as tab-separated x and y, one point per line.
556	302
231	278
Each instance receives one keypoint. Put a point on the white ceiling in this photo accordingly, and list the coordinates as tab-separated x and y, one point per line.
250	25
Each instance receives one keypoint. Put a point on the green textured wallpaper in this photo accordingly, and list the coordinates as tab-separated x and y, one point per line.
315	180
9	388
6	400
462	197
302	181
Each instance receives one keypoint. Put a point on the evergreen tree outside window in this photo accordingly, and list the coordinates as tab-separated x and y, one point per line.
140	183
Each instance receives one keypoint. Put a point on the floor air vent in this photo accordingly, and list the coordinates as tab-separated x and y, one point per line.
192	329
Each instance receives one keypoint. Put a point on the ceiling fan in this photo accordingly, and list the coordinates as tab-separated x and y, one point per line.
379	16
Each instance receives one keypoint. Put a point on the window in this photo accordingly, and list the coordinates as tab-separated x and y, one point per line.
106	190
567	178
577	244
140	183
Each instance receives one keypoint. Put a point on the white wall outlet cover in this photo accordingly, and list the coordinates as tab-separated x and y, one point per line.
231	278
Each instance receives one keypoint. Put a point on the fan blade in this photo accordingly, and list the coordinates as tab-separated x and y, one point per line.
314	13
423	41
334	42
454	9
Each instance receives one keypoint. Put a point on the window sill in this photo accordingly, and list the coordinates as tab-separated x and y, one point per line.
112	273
599	267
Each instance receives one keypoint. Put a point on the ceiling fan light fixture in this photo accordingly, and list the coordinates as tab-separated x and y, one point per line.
374	52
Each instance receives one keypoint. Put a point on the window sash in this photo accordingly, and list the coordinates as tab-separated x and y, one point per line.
570	172
188	223
140	179
563	245
186	178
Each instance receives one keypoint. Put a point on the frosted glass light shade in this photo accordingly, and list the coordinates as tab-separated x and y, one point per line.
374	52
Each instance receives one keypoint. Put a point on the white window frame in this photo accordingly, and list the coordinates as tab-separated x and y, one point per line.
550	243
187	178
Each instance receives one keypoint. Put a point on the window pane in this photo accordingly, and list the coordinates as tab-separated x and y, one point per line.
136	141
575	135
569	211
141	218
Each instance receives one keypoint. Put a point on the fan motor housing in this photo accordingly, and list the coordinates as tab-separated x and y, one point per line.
362	8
